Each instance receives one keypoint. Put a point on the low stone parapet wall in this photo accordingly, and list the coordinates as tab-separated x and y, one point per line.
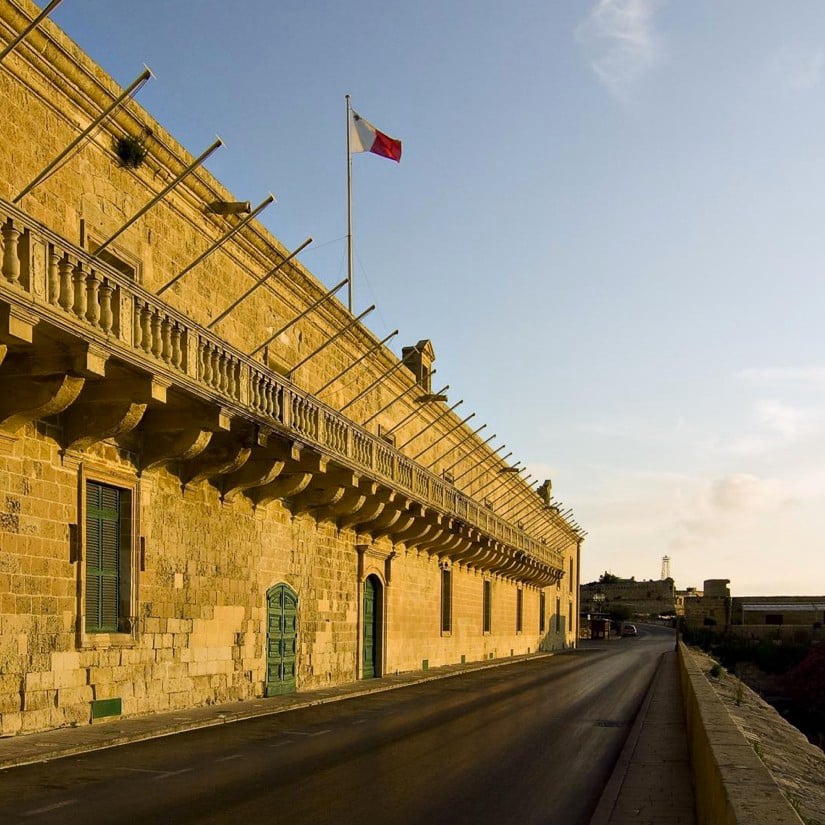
732	785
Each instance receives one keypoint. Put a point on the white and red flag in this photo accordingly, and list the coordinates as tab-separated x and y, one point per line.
366	138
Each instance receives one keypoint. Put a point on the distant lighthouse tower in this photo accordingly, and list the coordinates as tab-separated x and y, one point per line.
665	567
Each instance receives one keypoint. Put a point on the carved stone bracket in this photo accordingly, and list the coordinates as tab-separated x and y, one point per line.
36	398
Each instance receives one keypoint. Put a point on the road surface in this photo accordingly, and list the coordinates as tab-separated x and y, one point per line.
531	742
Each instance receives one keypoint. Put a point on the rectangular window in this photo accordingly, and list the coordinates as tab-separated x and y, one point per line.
487	609
446	601
108	543
569	617
570	580
541	612
117	258
774	618
519	610
558	615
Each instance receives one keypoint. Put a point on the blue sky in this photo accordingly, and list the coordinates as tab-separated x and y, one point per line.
608	220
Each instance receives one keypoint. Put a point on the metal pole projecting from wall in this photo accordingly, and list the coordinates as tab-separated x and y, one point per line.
355	363
518	499
166	190
456	446
484	471
524	504
133	87
31	27
443	436
427	398
262	280
467	455
481	464
503	471
384	375
535	518
506	513
421	400
326	343
432	423
549	529
220	242
325	297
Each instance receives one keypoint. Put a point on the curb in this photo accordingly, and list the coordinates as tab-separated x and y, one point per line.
263	707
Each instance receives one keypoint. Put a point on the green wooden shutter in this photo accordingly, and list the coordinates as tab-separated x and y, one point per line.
446	601
102	557
487	606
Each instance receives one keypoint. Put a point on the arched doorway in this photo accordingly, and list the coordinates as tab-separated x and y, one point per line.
371	660
281	639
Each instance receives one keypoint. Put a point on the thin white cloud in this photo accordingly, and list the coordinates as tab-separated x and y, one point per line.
812	376
800	69
622	42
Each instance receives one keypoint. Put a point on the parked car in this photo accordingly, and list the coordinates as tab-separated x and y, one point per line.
629	630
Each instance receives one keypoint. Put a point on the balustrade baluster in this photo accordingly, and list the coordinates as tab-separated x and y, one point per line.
166	340
224	374
176	350
206	362
79	287
92	307
65	273
52	278
11	260
146	328
106	315
267	398
157	343
236	378
215	368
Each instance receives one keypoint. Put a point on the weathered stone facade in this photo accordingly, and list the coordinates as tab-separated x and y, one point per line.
162	484
649	597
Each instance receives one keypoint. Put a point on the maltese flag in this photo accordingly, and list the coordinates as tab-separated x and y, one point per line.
366	138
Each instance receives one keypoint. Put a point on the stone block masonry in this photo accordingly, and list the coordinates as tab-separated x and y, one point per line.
183	522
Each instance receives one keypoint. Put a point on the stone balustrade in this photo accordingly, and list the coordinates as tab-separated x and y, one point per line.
46	279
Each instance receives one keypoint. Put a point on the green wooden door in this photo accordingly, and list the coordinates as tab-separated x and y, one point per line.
281	640
370	668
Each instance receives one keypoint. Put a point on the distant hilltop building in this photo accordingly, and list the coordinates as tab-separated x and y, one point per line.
644	598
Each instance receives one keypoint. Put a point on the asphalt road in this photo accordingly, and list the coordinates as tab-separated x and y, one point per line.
532	742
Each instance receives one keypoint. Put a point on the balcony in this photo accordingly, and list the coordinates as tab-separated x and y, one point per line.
81	340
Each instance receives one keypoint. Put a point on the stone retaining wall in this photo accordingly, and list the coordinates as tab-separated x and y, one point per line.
733	787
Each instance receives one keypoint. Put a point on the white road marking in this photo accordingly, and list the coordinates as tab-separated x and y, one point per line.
173	773
227	758
137	770
306	732
281	744
51	807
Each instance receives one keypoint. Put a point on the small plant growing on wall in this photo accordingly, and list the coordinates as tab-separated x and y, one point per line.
131	151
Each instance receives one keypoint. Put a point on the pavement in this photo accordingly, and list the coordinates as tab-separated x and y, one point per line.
650	785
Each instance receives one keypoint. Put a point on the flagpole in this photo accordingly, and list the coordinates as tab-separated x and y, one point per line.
349	207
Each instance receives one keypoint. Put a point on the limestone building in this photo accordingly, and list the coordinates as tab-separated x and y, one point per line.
644	598
199	505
